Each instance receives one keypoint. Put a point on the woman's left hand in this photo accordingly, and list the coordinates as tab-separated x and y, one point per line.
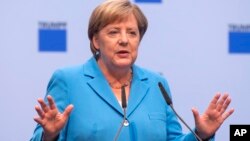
208	123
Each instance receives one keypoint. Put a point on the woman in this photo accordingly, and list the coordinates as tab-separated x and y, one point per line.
94	88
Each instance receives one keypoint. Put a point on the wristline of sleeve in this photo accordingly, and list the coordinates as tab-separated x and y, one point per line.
42	139
207	139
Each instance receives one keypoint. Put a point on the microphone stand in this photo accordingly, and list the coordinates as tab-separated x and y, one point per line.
197	137
169	102
124	107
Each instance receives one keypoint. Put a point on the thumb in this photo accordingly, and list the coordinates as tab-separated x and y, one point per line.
68	110
195	114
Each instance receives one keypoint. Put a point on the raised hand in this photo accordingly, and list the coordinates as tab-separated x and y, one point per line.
51	120
208	123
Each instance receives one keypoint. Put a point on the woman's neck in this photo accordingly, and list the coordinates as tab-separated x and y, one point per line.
117	83
116	77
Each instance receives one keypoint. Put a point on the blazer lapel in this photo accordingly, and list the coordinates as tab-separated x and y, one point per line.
100	86
138	90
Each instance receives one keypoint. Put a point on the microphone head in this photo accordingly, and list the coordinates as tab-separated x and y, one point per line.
165	94
123	96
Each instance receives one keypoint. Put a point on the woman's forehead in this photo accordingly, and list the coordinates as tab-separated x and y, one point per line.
126	19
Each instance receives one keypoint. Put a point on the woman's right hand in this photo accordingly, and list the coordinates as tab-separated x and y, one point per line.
51	120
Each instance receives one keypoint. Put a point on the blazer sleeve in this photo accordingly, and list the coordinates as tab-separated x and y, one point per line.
58	89
174	128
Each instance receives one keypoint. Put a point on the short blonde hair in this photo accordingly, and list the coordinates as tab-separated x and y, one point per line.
111	11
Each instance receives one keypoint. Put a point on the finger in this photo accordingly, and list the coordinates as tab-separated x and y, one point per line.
196	115
52	104
221	102
227	114
44	107
68	110
39	121
214	101
39	111
225	105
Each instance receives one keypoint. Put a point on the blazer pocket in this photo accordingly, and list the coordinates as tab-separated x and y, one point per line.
157	116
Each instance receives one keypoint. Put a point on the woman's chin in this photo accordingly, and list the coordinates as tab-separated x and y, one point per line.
123	63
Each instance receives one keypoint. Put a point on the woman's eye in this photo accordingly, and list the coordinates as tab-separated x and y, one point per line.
113	32
133	33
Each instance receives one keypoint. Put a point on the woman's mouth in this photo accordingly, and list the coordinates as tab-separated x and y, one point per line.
123	53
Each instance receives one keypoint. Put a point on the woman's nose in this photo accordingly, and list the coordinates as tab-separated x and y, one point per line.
123	39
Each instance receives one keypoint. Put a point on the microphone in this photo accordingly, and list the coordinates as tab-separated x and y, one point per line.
123	96
169	102
124	106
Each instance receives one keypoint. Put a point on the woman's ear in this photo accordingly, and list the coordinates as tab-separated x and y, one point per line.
95	42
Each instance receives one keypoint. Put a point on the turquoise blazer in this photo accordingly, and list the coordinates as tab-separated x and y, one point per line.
97	115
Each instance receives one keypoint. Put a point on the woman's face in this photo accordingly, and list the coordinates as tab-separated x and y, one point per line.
118	43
